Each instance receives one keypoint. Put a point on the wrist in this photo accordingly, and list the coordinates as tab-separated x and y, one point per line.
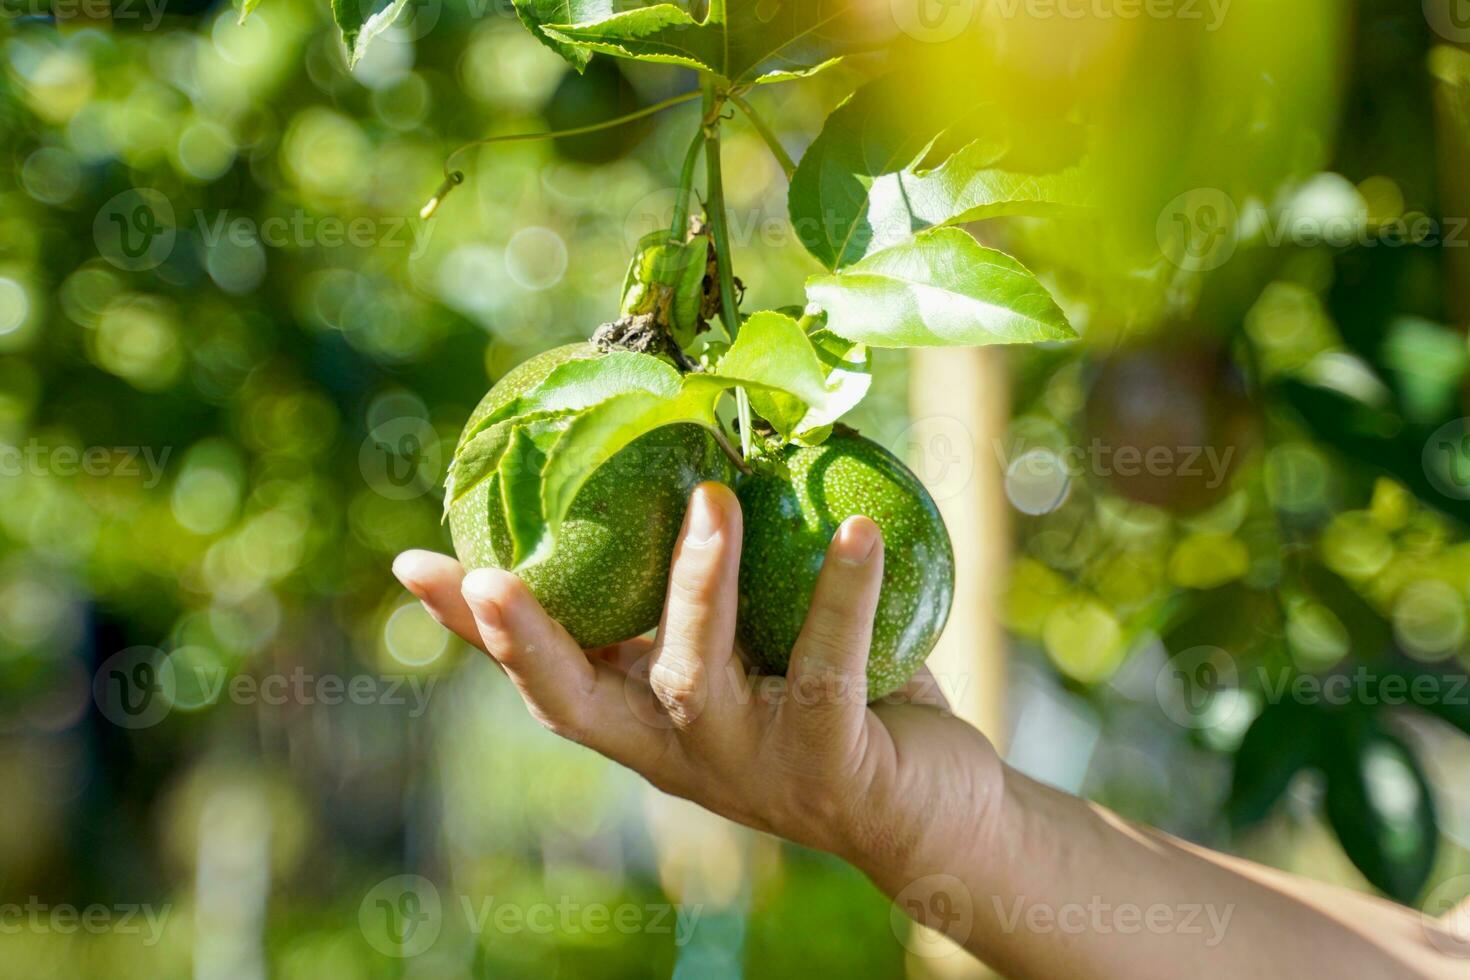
964	833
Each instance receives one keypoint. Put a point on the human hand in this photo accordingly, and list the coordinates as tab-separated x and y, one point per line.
893	787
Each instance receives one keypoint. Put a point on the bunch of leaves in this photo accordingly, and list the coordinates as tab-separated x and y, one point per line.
877	200
541	448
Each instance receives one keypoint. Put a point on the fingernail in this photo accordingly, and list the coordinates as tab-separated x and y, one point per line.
705	518
478	589
857	541
403	569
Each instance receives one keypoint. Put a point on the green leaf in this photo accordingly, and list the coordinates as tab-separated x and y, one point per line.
615	399
1428	362
964	189
773	352
480	456
777	76
580	384
520	492
476	461
742	41
942	288
847	369
245	8
599	433
865	138
535	14
358	31
862	185
570	388
1381	807
1283	740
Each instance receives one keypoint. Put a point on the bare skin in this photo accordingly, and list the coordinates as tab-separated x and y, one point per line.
1037	883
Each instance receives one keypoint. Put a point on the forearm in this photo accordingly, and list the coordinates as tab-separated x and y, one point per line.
1060	887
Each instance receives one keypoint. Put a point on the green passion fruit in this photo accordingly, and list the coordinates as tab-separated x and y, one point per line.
605	580
791	518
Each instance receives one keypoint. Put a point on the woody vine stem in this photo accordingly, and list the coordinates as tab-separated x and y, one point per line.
714	105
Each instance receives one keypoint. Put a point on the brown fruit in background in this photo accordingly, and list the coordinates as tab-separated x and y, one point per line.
1168	425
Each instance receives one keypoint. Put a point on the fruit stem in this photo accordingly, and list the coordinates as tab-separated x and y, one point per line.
788	165
453	178
679	229
729	311
735	457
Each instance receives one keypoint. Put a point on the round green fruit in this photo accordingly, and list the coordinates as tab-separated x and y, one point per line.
605	580
791	518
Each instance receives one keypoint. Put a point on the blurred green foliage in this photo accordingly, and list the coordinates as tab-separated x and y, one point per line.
271	382
243	382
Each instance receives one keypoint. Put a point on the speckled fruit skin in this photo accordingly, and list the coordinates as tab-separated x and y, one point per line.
789	524
606	579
